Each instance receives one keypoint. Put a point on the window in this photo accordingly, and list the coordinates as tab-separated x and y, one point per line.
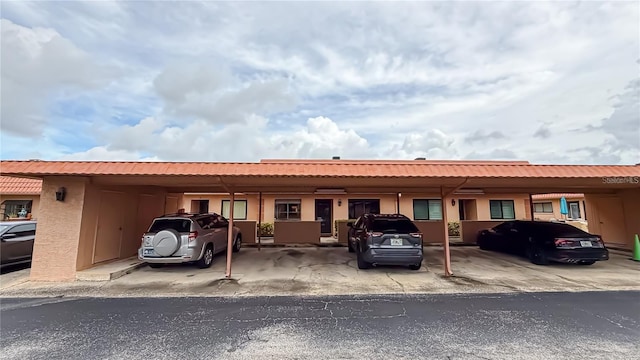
545	207
574	209
502	209
287	210
179	225
239	209
12	208
430	209
394	225
357	207
22	231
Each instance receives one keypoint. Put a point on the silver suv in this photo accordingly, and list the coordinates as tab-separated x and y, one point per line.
182	238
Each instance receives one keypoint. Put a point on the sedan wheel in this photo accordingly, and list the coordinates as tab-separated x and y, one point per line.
537	256
237	244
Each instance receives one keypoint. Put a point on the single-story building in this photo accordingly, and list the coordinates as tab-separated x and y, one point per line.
19	198
93	212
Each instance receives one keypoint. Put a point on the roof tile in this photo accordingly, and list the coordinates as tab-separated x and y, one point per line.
335	168
19	186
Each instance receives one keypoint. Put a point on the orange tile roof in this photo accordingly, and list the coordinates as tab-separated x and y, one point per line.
19	186
332	168
557	196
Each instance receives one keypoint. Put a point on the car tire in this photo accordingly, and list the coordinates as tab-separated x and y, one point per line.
155	265
590	262
482	244
207	258
362	264
415	266
237	244
349	247
537	256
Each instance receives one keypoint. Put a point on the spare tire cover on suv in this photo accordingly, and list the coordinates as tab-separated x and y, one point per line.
166	242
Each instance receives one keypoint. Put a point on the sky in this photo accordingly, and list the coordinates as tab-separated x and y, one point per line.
547	82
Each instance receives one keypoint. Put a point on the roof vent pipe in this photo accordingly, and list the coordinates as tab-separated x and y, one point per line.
420	158
336	158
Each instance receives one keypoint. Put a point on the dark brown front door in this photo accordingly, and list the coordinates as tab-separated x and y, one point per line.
323	214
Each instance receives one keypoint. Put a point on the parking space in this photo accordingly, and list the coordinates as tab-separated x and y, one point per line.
302	271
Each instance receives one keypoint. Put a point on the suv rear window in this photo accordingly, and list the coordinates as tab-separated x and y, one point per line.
179	225
401	226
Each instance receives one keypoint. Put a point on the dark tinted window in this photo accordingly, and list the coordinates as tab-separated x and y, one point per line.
555	229
402	226
23	230
179	225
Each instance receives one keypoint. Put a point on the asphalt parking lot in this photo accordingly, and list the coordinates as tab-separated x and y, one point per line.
333	271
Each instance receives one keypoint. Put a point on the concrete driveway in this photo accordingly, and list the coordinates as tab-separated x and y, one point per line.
328	271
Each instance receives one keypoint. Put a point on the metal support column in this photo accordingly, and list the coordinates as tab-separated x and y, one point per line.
230	235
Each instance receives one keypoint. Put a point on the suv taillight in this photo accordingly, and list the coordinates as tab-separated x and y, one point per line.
193	235
416	235
375	234
142	241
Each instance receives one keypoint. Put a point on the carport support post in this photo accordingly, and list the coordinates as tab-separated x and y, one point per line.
447	253
230	234
531	207
259	220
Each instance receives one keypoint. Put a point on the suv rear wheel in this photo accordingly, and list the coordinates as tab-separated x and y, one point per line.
415	266
207	258
155	265
362	264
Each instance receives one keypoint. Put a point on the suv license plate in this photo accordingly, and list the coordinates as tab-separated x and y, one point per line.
586	244
396	242
147	252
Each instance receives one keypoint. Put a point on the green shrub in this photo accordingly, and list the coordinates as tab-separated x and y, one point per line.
454	228
266	229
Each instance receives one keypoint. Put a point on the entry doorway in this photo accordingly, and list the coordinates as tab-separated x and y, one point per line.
200	206
324	209
467	209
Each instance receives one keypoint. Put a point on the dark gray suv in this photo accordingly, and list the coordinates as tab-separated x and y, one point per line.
385	239
16	238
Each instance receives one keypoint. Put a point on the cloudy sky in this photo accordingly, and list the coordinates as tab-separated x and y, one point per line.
186	81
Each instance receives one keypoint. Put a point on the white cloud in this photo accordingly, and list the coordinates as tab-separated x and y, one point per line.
38	64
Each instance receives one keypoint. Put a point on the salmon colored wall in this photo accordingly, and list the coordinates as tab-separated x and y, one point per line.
631	205
606	218
484	212
556	209
55	249
137	208
406	202
35	205
215	203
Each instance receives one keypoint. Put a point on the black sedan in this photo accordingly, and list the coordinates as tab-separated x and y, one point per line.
543	241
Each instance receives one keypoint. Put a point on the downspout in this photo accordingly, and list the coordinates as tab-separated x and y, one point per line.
259	220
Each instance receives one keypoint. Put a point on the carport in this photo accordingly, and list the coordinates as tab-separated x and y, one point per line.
85	205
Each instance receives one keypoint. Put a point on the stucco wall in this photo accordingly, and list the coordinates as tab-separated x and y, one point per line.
35	202
606	217
556	209
55	249
128	215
